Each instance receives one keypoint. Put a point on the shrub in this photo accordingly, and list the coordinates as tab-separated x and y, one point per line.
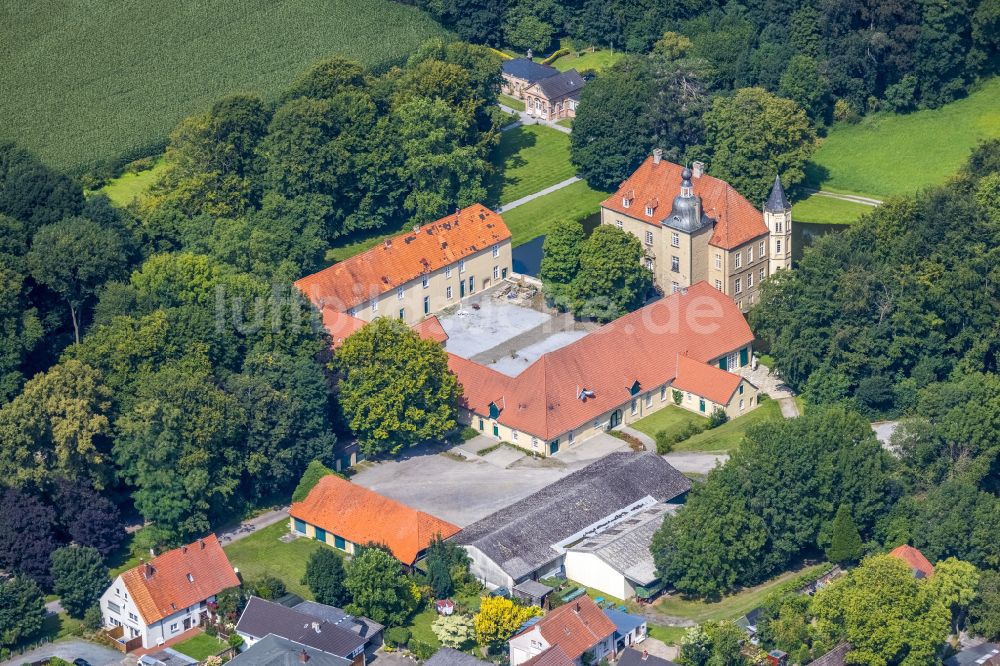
268	587
397	636
762	397
634	443
314	472
678	397
235	640
210	630
468	433
664	442
422	650
717	418
555	56
92	619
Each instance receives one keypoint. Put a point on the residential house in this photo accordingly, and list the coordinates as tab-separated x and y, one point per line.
629	629
618	561
528	540
913	558
261	618
415	274
519	74
348	517
366	628
554	97
452	657
835	657
576	629
696	227
171	593
984	654
273	650
691	344
632	657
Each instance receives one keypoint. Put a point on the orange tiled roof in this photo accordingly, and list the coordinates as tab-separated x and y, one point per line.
736	219
553	656
341	325
576	627
705	380
914	559
180	578
398	260
544	400
362	516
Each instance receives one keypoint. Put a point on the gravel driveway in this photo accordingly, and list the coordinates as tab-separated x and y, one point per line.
97	655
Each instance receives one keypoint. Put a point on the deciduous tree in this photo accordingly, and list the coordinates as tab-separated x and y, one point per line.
79	578
22	610
27	535
561	260
378	588
498	618
612	278
454	631
325	577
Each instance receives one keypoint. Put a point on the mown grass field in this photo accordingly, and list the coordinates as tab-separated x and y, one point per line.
128	187
264	553
670	418
824	210
597	60
729	435
512	102
891	154
535	218
528	159
86	83
200	647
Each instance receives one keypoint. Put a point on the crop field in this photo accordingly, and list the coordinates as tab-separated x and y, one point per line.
85	84
890	154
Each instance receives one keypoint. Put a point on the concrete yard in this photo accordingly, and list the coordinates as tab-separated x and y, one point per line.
471	331
464	491
522	358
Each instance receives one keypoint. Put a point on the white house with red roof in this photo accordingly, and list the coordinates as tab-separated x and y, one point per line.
171	593
564	636
689	345
696	227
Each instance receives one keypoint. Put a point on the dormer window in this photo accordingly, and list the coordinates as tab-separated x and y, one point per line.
625	202
649	211
190	578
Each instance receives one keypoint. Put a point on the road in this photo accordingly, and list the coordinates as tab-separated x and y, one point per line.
97	655
525	119
237	532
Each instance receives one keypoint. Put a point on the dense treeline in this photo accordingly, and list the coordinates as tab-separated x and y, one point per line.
156	362
906	297
267	189
866	53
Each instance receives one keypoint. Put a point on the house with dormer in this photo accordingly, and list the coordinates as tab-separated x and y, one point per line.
576	633
162	598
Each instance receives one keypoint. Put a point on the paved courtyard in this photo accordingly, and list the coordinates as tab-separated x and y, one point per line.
462	487
68	650
472	331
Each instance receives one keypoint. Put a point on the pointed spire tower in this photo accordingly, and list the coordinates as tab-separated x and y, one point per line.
778	218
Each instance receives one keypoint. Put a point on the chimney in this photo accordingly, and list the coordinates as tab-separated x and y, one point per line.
697	168
657	155
416	228
149	570
201	543
303	657
184	549
645	655
529	54
578	608
152	553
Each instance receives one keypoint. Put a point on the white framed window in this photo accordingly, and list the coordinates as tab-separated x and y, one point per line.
173	628
496	272
763	274
496	250
448	292
718	261
741	389
750	254
718	285
675	287
663	393
777	246
778	226
649	211
761	249
635	406
618	223
447	272
513	435
374	305
675	239
749	279
649	399
739	286
425	282
649	238
625	202
675	264
741	404
739	259
113	607
649	264
133	617
400	292
461	265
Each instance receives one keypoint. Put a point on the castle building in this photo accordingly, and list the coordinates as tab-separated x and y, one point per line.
696	227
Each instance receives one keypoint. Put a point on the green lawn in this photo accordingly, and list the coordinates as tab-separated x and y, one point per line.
86	84
598	60
670	418
512	102
565	122
728	435
528	159
264	553
420	626
534	218
889	154
200	647
824	210
732	606
669	635
126	188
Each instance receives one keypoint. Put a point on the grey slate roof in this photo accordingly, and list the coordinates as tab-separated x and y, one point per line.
633	657
625	547
974	655
834	657
561	84
276	651
451	657
529	70
261	618
519	538
777	202
362	626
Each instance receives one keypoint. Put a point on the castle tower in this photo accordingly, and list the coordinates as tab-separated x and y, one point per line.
778	218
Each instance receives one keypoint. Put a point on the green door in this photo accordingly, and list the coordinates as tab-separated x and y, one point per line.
553	447
701	405
743	357
496	430
722	363
461	289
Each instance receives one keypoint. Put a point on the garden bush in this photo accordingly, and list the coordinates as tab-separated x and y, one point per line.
397	636
717	418
421	650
